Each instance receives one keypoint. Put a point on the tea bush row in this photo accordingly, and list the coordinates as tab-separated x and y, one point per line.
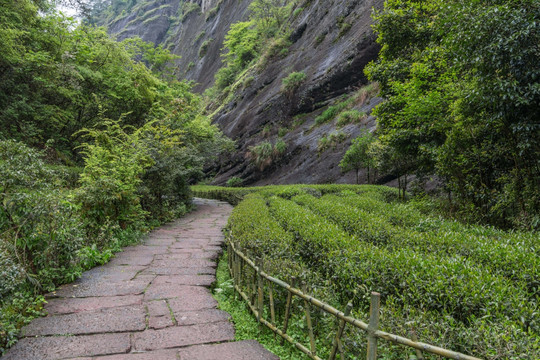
513	255
449	285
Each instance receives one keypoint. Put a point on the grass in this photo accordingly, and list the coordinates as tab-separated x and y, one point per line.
245	324
342	109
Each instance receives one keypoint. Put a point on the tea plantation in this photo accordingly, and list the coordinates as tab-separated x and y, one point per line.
468	288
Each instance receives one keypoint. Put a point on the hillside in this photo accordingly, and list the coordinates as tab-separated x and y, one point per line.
330	41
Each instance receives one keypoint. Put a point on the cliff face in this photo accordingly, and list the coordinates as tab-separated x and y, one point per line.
331	40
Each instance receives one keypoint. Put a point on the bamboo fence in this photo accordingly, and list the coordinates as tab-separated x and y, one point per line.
254	282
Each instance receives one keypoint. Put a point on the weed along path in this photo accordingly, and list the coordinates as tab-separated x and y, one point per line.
151	302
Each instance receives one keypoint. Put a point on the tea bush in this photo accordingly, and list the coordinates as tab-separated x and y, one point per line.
469	288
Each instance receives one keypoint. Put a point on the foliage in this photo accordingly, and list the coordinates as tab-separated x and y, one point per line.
293	81
19	312
204	47
342	109
114	163
245	325
57	73
61	83
357	156
460	286
213	11
234	182
189	8
331	140
350	117
461	82
264	154
269	15
260	38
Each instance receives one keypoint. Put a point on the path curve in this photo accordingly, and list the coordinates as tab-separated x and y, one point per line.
151	302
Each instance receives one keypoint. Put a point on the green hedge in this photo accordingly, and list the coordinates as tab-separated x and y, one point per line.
470	288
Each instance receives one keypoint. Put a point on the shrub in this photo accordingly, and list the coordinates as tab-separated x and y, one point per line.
297	11
204	47
114	164
358	156
356	99
331	141
350	117
327	115
225	77
189	8
234	182
293	81
199	36
469	288
264	154
213	11
280	147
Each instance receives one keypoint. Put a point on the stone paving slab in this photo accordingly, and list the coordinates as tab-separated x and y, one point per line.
183	335
150	355
180	271
200	317
110	273
119	319
192	300
151	302
241	350
199	280
72	305
118	288
65	347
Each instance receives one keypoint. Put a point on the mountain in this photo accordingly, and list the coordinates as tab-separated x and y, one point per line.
328	45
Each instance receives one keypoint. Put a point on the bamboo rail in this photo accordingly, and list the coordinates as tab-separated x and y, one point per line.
237	263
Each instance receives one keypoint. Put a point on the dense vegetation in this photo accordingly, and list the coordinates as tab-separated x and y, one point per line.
463	102
95	148
470	288
248	47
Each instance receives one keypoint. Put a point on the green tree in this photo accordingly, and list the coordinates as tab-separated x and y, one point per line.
358	157
461	81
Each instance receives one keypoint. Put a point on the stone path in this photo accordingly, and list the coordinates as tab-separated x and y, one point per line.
151	302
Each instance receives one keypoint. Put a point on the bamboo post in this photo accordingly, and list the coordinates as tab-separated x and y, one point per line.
272	309
229	253
288	309
308	321
240	270
260	294
414	338
373	325
254	288
339	334
341	351
233	272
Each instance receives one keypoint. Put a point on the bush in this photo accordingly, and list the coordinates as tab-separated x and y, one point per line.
114	165
189	8
331	141
358	98
350	117
264	154
234	182
225	77
204	47
293	81
460	286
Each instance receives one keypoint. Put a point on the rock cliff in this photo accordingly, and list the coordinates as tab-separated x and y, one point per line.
331	42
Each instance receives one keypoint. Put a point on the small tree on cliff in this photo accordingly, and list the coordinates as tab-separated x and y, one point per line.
358	156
